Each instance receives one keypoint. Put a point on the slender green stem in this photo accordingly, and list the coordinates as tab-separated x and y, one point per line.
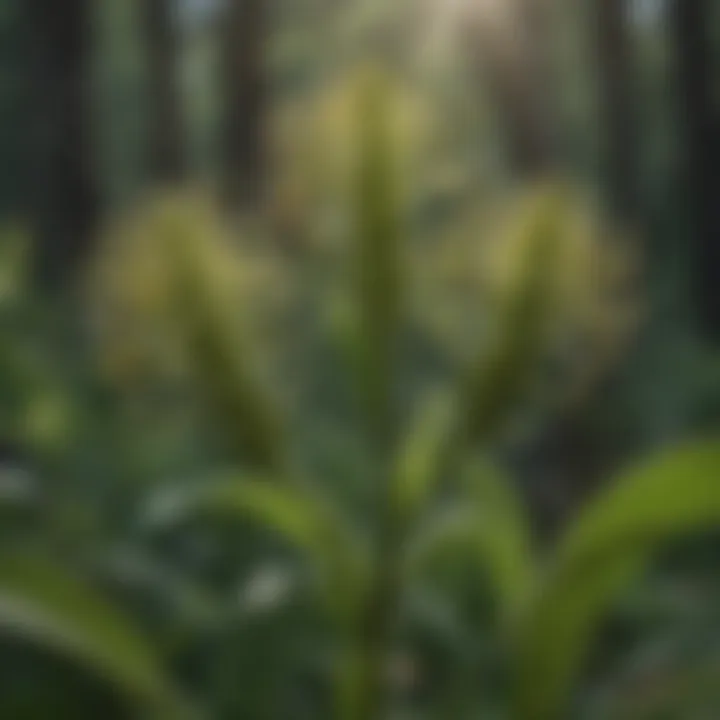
370	643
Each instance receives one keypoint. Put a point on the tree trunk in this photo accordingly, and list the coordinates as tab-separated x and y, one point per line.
165	125
616	76
244	123
692	26
65	202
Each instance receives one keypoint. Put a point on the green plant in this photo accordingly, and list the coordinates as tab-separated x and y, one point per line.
431	487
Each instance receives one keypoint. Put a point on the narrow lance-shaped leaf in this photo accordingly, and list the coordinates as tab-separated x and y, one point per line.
217	353
291	511
420	460
488	525
675	494
377	221
51	609
504	527
495	385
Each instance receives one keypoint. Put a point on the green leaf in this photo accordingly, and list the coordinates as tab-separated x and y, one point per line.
495	385
42	604
420	462
505	531
488	525
672	495
218	353
377	219
292	512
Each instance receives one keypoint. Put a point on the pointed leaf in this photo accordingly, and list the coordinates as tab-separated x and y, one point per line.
206	311
496	384
506	529
292	512
489	526
667	497
420	462
42	604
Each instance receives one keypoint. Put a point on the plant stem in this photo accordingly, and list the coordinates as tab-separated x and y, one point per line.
367	691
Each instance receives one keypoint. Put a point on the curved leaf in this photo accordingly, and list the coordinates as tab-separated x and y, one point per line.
495	385
674	494
488	525
52	609
506	529
300	517
420	462
218	353
171	288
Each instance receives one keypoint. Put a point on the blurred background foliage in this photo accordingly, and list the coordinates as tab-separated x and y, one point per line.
324	329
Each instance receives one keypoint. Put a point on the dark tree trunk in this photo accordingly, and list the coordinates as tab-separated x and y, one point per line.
65	198
15	145
692	27
165	137
616	79
244	123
